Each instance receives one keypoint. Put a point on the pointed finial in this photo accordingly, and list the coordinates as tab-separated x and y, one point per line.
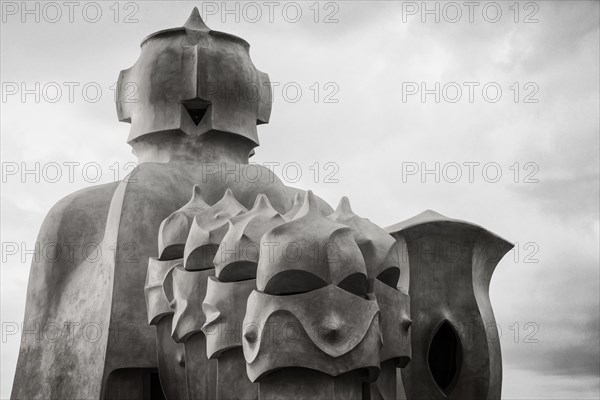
196	193
344	206
295	207
343	210
228	200
196	202
261	202
195	22
309	207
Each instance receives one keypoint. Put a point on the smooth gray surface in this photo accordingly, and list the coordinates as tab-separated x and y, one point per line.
122	220
347	302
451	264
194	67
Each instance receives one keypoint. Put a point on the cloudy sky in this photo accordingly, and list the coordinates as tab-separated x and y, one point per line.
518	90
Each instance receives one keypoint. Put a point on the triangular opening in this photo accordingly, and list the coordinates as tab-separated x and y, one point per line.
196	108
197	114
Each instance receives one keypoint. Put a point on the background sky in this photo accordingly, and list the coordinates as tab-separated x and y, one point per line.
355	64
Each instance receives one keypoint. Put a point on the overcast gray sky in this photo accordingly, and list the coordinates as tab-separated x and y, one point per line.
532	116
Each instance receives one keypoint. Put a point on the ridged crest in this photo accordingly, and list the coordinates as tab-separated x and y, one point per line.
298	201
334	332
174	229
394	321
238	253
185	291
207	231
224	307
186	73
376	245
157	305
308	253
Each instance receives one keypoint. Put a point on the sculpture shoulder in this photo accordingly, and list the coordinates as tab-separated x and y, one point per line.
168	185
74	223
80	215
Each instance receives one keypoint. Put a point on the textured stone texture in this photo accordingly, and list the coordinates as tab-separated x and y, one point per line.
250	289
207	232
328	330
157	304
104	296
306	384
224	307
451	264
174	230
309	252
376	245
183	77
170	355
237	256
185	291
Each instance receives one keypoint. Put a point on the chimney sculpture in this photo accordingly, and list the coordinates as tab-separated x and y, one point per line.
214	280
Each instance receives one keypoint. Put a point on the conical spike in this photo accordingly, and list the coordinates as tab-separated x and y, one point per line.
196	191
309	207
228	200
197	196
343	211
344	206
195	22
261	202
309	200
296	205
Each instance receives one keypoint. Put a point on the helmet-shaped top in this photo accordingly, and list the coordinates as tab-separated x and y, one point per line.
194	80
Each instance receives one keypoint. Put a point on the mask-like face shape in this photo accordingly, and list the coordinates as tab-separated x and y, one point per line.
328	330
224	307
194	80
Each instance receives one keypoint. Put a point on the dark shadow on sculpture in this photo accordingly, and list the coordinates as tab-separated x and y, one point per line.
444	356
134	384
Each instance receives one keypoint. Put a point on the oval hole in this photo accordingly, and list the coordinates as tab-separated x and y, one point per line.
444	357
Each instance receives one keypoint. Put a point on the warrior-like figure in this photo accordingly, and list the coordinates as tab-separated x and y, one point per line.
217	281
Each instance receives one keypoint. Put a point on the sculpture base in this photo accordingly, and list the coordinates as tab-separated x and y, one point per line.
306	384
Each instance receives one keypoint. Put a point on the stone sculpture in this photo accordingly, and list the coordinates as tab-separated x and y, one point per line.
226	288
171	355
455	340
